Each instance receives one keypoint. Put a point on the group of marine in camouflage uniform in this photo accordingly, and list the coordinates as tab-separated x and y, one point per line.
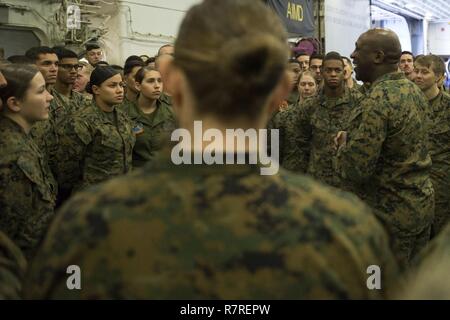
372	189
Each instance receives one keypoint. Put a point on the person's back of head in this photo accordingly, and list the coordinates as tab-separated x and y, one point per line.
231	73
20	59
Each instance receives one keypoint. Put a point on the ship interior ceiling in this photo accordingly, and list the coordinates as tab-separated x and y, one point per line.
433	10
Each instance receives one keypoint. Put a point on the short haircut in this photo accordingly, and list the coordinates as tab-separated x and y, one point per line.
333	55
64	53
91	46
165	46
130	65
301	53
33	53
407	52
316	56
133	57
293	60
433	62
17	59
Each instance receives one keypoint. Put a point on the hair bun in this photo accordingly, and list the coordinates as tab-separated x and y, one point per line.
254	60
89	88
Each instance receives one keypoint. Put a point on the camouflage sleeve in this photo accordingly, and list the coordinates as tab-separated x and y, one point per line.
357	160
74	137
15	202
12	269
296	138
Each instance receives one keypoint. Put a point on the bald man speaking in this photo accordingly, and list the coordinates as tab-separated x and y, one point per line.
383	156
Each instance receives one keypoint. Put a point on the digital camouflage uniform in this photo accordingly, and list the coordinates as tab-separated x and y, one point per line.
93	146
386	161
152	130
439	135
27	188
12	269
309	130
170	231
45	132
364	88
293	98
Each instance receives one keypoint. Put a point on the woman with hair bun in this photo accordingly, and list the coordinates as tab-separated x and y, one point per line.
96	144
27	187
217	231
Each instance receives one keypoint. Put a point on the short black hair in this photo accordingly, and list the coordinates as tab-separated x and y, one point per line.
18	59
407	52
150	60
63	53
33	53
91	46
133	57
301	53
293	60
333	55
117	67
132	64
315	56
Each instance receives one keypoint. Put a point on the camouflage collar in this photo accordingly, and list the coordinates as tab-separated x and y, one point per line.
345	98
388	76
163	161
6	122
101	114
437	98
160	114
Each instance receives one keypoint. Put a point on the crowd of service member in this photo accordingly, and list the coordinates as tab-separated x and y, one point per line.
84	177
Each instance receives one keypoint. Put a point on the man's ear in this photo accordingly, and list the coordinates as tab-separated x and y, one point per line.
379	57
281	92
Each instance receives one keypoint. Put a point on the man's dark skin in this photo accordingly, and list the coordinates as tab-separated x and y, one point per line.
333	78
376	53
